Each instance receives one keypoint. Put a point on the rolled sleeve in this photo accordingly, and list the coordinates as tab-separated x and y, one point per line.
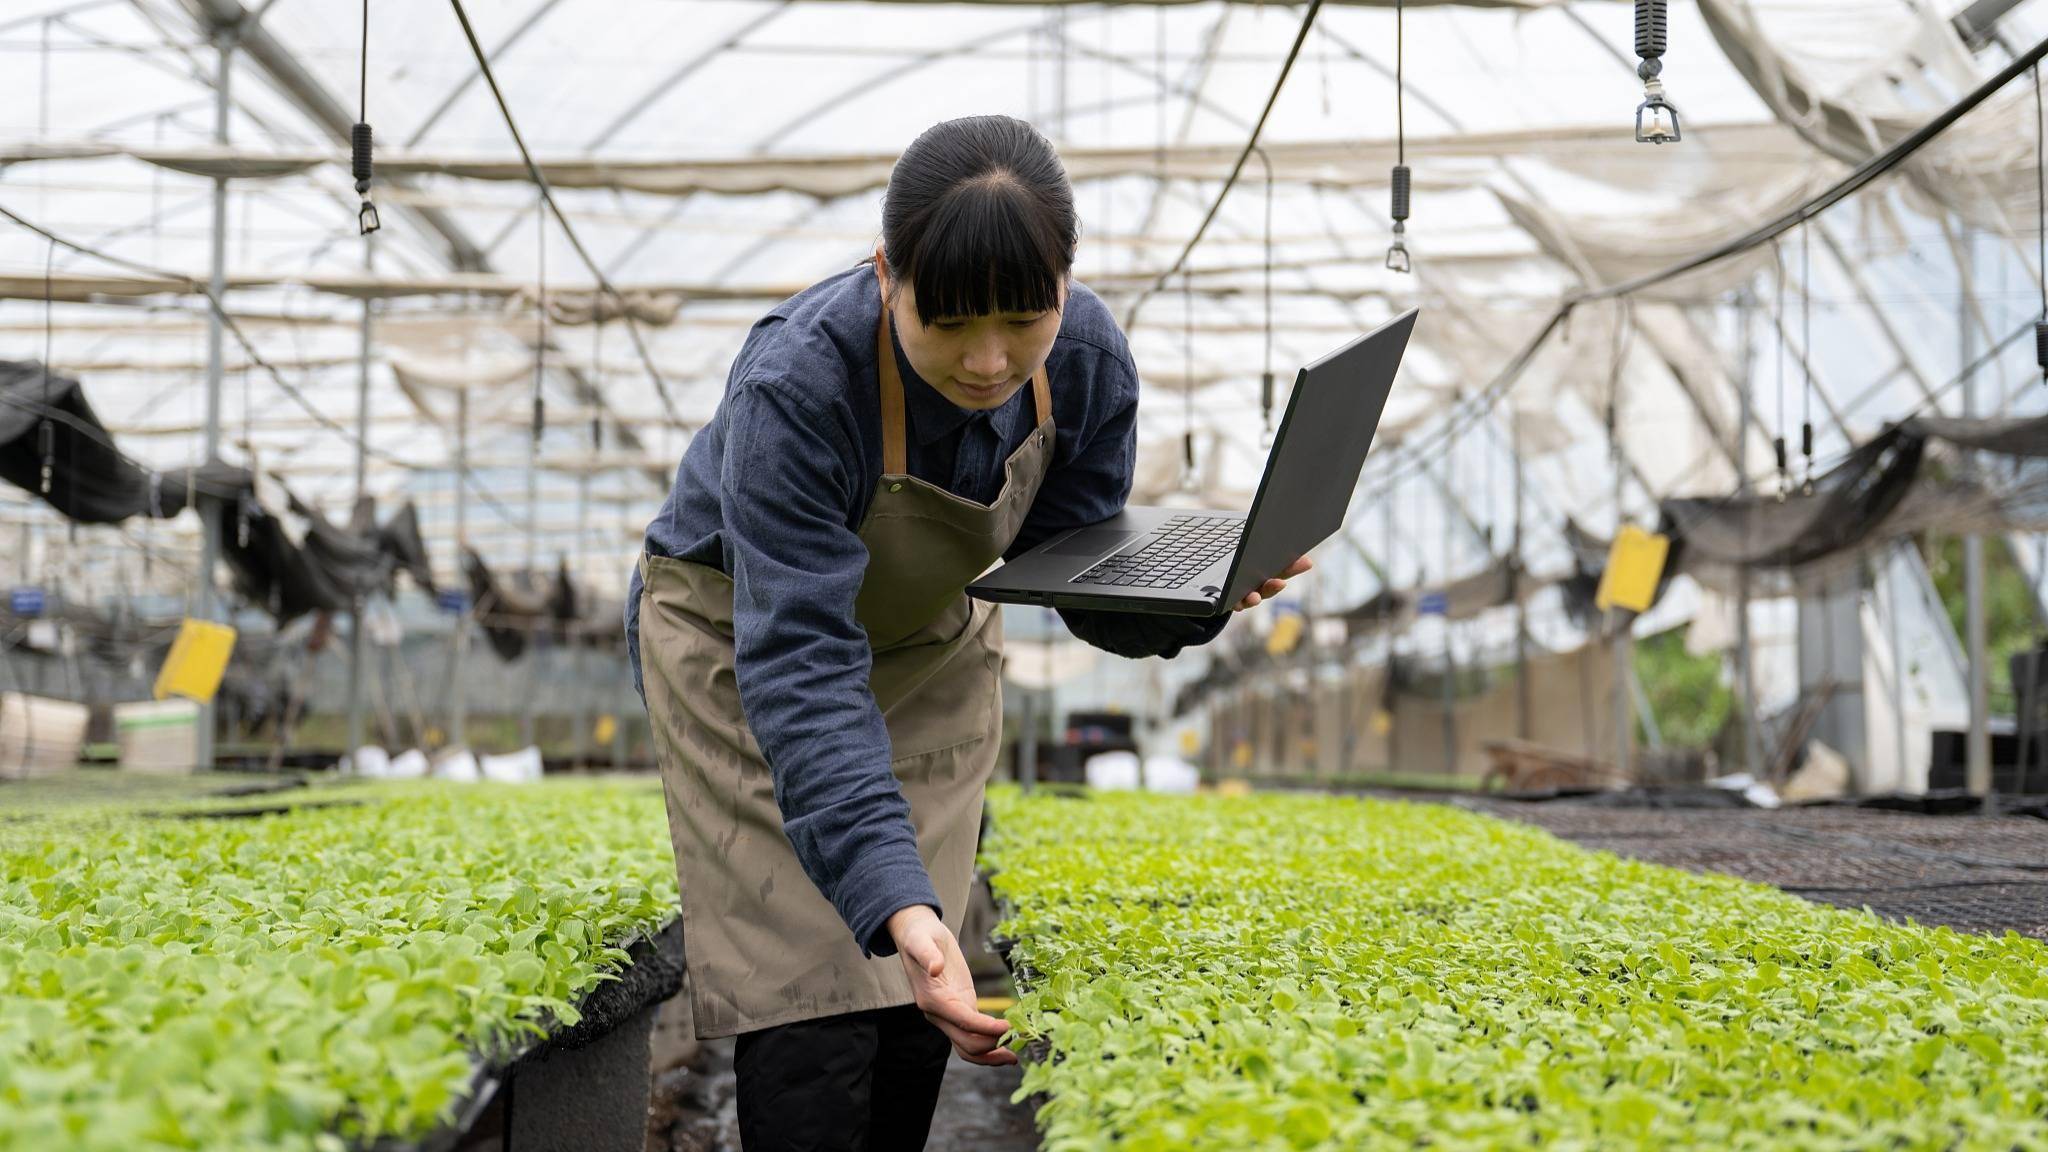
802	659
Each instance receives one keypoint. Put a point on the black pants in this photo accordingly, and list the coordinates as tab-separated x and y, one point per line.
862	1082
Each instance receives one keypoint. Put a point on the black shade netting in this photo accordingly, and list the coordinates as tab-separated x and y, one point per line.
1848	504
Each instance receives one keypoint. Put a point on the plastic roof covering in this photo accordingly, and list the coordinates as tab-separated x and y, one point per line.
1527	187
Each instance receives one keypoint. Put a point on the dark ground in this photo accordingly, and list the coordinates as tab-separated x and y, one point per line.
1973	873
692	1107
693	1110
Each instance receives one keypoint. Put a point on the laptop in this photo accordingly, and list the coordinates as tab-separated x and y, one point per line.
1199	562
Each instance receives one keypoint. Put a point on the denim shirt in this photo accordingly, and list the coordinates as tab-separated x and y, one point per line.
773	492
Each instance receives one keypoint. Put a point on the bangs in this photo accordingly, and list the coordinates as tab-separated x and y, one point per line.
983	248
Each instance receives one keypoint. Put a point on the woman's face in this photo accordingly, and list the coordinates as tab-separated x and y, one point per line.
977	362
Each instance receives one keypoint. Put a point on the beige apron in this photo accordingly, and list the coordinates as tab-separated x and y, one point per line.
764	947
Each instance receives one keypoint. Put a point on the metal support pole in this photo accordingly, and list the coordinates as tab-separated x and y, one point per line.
622	679
1977	774
458	687
1624	700
1388	699
1894	597
540	351
1027	741
1525	712
533	637
210	606
355	625
1745	656
1624	644
582	642
1450	660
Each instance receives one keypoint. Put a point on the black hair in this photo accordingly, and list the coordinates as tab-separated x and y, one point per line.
979	218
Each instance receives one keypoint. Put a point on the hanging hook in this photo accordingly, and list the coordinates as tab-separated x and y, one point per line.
360	164
1656	117
1397	252
359	139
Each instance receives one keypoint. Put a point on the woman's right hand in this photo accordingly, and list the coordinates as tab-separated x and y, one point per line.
944	989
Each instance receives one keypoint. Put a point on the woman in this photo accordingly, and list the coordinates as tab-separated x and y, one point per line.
825	698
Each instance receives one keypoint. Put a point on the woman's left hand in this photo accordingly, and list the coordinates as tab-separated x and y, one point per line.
1271	588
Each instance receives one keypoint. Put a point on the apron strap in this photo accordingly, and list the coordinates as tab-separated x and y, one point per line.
895	455
895	460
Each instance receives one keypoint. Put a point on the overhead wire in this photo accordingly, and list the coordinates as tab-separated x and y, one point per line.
540	180
1187	385
227	319
2041	224
1778	318
1266	377
1857	179
1308	20
1402	183
1806	349
1411	455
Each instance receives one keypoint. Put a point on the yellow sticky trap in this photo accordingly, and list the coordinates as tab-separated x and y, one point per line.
1285	635
1234	788
1382	721
607	727
1190	742
198	658
1634	565
995	1005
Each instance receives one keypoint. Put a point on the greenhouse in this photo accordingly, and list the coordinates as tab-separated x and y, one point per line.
687	575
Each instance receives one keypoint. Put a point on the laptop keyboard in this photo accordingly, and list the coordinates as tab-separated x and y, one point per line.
1182	549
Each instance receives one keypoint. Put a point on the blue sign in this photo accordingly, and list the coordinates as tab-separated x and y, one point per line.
1433	604
451	601
25	601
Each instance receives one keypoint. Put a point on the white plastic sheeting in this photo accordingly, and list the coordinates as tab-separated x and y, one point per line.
713	154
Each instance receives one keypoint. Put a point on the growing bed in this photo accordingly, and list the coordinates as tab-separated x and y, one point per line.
346	972
1302	972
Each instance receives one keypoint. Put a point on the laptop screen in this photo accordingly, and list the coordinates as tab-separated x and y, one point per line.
1318	452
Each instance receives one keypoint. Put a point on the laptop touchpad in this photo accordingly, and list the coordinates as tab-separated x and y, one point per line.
1090	542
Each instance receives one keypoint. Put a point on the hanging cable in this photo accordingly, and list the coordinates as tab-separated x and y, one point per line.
243	508
234	328
596	373
1488	443
1806	352
1159	105
1656	119
1108	83
533	171
1778	315
1165	277
359	137
2041	226
540	339
1397	252
46	432
1266	378
1187	435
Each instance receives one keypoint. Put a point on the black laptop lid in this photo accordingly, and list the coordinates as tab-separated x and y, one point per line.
1318	452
